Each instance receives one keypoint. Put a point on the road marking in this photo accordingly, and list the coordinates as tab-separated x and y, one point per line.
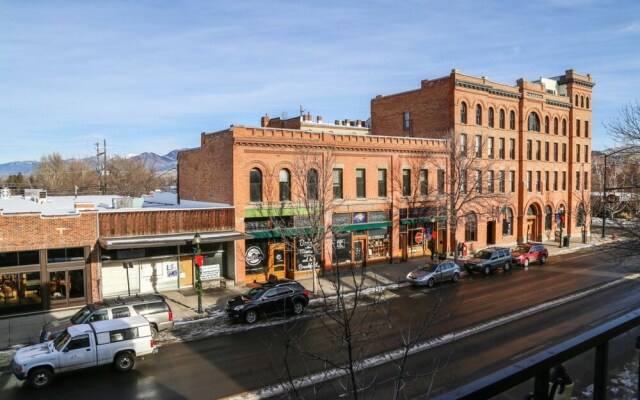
282	389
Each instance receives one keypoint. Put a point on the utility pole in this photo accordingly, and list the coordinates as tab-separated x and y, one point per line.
101	167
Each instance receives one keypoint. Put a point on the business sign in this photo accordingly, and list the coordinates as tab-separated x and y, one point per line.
209	272
305	259
378	216
359	217
419	237
253	256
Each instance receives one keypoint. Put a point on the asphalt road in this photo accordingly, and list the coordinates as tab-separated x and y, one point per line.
245	361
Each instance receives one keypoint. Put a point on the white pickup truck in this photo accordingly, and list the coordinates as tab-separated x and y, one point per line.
116	342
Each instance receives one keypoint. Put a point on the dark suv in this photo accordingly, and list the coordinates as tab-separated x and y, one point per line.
151	306
488	260
279	297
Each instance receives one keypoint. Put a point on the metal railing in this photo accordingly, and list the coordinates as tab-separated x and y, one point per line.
539	365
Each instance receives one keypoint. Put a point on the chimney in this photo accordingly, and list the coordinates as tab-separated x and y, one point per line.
309	117
358	122
347	122
264	121
319	119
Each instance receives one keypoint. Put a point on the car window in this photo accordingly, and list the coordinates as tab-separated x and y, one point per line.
271	293
121	312
284	290
100	315
505	253
78	342
483	255
81	315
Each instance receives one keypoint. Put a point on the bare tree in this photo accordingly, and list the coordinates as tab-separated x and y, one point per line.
130	177
50	172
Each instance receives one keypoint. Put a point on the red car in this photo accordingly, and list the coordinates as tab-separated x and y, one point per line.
527	253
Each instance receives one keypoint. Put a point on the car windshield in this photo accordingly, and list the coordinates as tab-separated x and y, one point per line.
254	293
60	341
523	249
81	315
429	267
485	255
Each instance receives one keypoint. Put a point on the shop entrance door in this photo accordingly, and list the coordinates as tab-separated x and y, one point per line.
359	252
186	271
277	262
491	232
531	233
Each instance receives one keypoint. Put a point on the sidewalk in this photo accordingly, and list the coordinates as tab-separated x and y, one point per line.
184	303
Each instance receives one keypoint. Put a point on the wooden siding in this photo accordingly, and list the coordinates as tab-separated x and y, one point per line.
140	223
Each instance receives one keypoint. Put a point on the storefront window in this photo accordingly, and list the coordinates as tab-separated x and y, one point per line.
378	243
341	248
256	260
65	255
507	223
21	289
65	285
16	258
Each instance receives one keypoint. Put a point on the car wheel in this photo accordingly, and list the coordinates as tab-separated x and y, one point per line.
487	270
154	332
431	282
543	259
250	316
124	362
526	262
455	278
507	267
298	307
40	378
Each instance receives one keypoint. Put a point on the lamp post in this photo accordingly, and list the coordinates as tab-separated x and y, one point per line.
561	223
197	261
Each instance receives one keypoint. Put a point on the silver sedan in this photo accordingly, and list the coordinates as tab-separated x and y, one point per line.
430	273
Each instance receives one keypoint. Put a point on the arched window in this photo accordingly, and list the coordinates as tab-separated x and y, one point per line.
512	120
285	185
582	214
463	112
312	184
255	185
582	101
471	228
507	222
491	117
546	124
534	122
564	127
576	100
555	126
548	218
501	119
587	102
478	115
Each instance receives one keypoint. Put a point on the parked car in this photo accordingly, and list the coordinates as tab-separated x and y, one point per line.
529	252
281	297
80	346
488	260
433	272
151	306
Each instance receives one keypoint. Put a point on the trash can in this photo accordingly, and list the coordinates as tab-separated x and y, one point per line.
565	241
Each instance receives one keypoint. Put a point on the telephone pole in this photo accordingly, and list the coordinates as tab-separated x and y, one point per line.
101	167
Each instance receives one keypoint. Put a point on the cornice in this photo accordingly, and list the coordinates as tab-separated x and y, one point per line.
486	88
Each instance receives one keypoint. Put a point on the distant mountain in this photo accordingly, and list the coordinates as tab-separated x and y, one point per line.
160	163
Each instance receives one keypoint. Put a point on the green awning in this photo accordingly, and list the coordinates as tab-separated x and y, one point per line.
276	233
362	227
422	220
277	212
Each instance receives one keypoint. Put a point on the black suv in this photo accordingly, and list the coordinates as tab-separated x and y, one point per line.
151	306
281	297
488	260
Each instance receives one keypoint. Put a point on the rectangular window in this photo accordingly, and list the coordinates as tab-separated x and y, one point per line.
406	182
406	121
440	181
577	127
382	183
501	180
546	151
555	152
564	152
577	153
65	255
501	148
490	181
528	182
463	181
564	180
555	181
361	183
577	180
586	180
337	183
538	181
512	148
586	154
538	149
463	144
424	182
478	181
490	147
478	146
529	150
512	179
546	180
586	128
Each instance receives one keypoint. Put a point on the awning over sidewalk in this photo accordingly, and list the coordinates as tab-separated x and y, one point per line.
169	240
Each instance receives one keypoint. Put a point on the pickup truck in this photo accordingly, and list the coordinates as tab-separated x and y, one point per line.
116	342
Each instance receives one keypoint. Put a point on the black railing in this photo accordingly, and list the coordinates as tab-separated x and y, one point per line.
540	365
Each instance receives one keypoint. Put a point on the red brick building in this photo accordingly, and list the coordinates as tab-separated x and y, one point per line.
538	133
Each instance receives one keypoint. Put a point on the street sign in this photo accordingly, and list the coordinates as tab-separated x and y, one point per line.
419	237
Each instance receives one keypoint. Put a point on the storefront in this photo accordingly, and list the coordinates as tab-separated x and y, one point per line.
421	234
361	238
164	262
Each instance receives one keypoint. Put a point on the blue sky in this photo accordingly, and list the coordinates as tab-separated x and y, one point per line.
152	75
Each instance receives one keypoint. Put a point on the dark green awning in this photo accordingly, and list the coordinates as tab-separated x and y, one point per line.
362	227
422	220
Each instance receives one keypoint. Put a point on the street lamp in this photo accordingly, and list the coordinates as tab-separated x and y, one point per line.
561	213
198	261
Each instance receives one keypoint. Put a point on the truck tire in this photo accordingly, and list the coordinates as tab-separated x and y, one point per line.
154	332
124	362
40	377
